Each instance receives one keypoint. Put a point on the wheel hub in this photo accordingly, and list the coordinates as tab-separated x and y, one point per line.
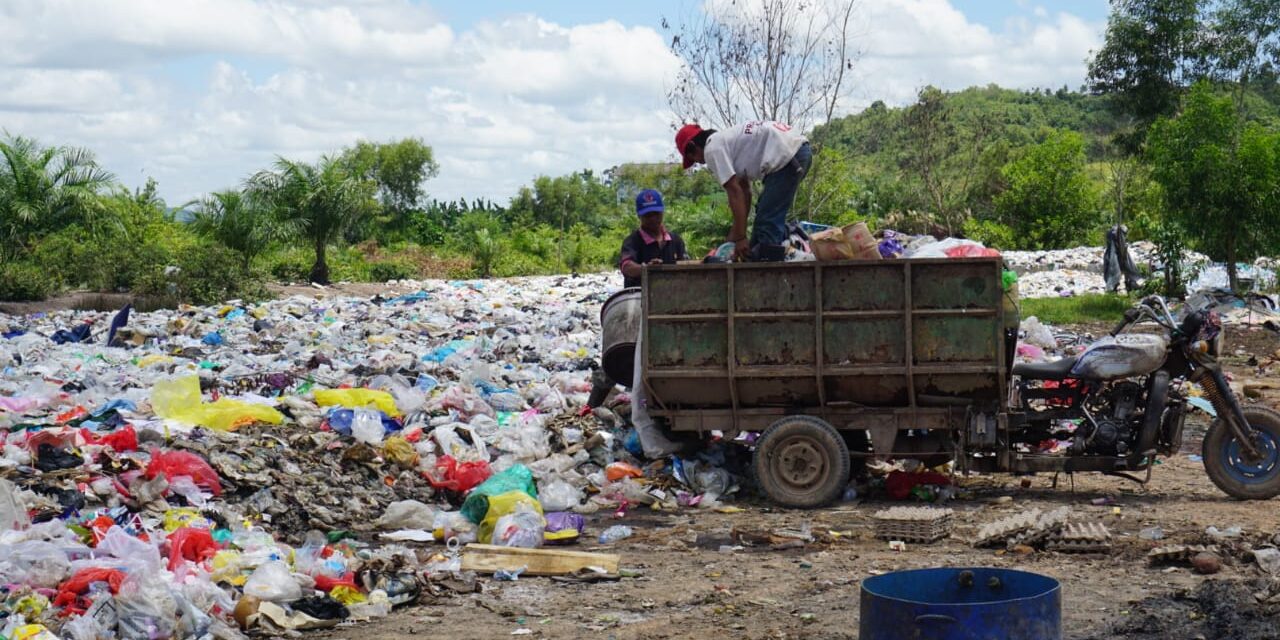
1251	468
801	463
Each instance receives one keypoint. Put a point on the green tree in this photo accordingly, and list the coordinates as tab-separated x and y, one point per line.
1153	50
318	201
1050	200
399	168
1221	178
240	221
43	189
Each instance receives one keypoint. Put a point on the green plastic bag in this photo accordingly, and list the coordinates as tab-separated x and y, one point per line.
517	478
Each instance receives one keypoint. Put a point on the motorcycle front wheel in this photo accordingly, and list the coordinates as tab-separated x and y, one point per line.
1232	470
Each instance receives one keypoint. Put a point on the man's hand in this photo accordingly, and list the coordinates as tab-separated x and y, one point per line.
741	249
655	261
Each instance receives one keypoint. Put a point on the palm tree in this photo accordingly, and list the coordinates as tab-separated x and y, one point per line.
240	221
45	189
318	201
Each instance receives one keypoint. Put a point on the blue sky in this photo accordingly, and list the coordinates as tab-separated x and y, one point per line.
200	94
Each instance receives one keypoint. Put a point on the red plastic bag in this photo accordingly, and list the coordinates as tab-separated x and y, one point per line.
898	484
190	543
123	440
182	463
327	583
69	593
452	476
971	251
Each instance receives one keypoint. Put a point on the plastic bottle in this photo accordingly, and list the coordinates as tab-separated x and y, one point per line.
615	533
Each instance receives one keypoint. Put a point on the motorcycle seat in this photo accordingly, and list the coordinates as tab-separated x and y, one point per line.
1057	370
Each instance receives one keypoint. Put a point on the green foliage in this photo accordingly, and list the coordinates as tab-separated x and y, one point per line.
206	273
240	221
1050	201
991	233
1076	309
391	270
319	202
1153	48
43	189
22	281
827	195
398	169
1220	178
484	251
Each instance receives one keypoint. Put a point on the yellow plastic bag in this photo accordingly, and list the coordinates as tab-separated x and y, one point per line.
500	505
228	567
179	399
346	595
358	399
399	451
175	519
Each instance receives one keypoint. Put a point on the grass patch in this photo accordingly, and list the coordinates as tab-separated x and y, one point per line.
1083	309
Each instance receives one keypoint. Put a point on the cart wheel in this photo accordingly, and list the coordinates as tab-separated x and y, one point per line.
801	462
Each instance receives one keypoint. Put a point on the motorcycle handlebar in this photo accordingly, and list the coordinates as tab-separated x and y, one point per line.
1129	317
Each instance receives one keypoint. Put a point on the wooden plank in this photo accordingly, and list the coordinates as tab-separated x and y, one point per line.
487	558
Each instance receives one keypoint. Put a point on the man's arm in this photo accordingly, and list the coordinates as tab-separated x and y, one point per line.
739	192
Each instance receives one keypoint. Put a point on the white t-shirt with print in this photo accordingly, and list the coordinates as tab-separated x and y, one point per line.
752	150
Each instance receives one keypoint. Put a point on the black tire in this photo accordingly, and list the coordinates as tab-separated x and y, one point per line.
1238	478
801	462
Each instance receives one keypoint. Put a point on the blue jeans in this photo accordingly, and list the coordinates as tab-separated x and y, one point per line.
779	194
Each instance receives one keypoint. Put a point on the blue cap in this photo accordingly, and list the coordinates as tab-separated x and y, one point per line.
648	201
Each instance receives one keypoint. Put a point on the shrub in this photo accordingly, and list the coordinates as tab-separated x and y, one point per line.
991	233
206	274
289	266
23	282
391	270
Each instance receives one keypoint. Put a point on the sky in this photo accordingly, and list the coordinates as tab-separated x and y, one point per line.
199	94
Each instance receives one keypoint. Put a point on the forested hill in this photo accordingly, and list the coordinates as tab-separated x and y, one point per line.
951	163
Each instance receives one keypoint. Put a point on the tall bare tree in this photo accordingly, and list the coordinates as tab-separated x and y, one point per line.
785	60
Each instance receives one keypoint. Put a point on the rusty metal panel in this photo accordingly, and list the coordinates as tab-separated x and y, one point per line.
778	392
864	341
774	342
872	391
981	388
941	339
956	285
782	288
681	291
863	287
689	393
687	344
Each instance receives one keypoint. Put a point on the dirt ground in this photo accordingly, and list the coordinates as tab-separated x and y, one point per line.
691	588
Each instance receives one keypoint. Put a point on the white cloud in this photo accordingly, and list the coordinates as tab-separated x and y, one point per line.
200	93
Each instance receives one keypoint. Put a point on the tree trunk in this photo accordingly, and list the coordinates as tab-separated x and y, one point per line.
320	270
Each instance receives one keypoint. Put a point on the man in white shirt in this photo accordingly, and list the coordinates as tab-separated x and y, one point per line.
760	150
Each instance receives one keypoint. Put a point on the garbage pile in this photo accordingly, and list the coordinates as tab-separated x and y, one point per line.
296	464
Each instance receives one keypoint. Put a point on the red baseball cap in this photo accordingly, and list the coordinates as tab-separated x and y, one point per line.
683	136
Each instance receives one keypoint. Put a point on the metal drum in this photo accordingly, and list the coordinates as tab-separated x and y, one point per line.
620	327
961	604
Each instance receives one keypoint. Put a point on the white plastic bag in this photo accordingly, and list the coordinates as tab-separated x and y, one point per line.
1038	334
524	527
407	514
559	495
273	582
366	426
13	515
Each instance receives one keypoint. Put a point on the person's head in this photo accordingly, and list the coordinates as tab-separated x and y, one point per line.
690	142
649	210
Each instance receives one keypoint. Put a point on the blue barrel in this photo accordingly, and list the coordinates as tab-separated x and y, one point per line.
961	604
